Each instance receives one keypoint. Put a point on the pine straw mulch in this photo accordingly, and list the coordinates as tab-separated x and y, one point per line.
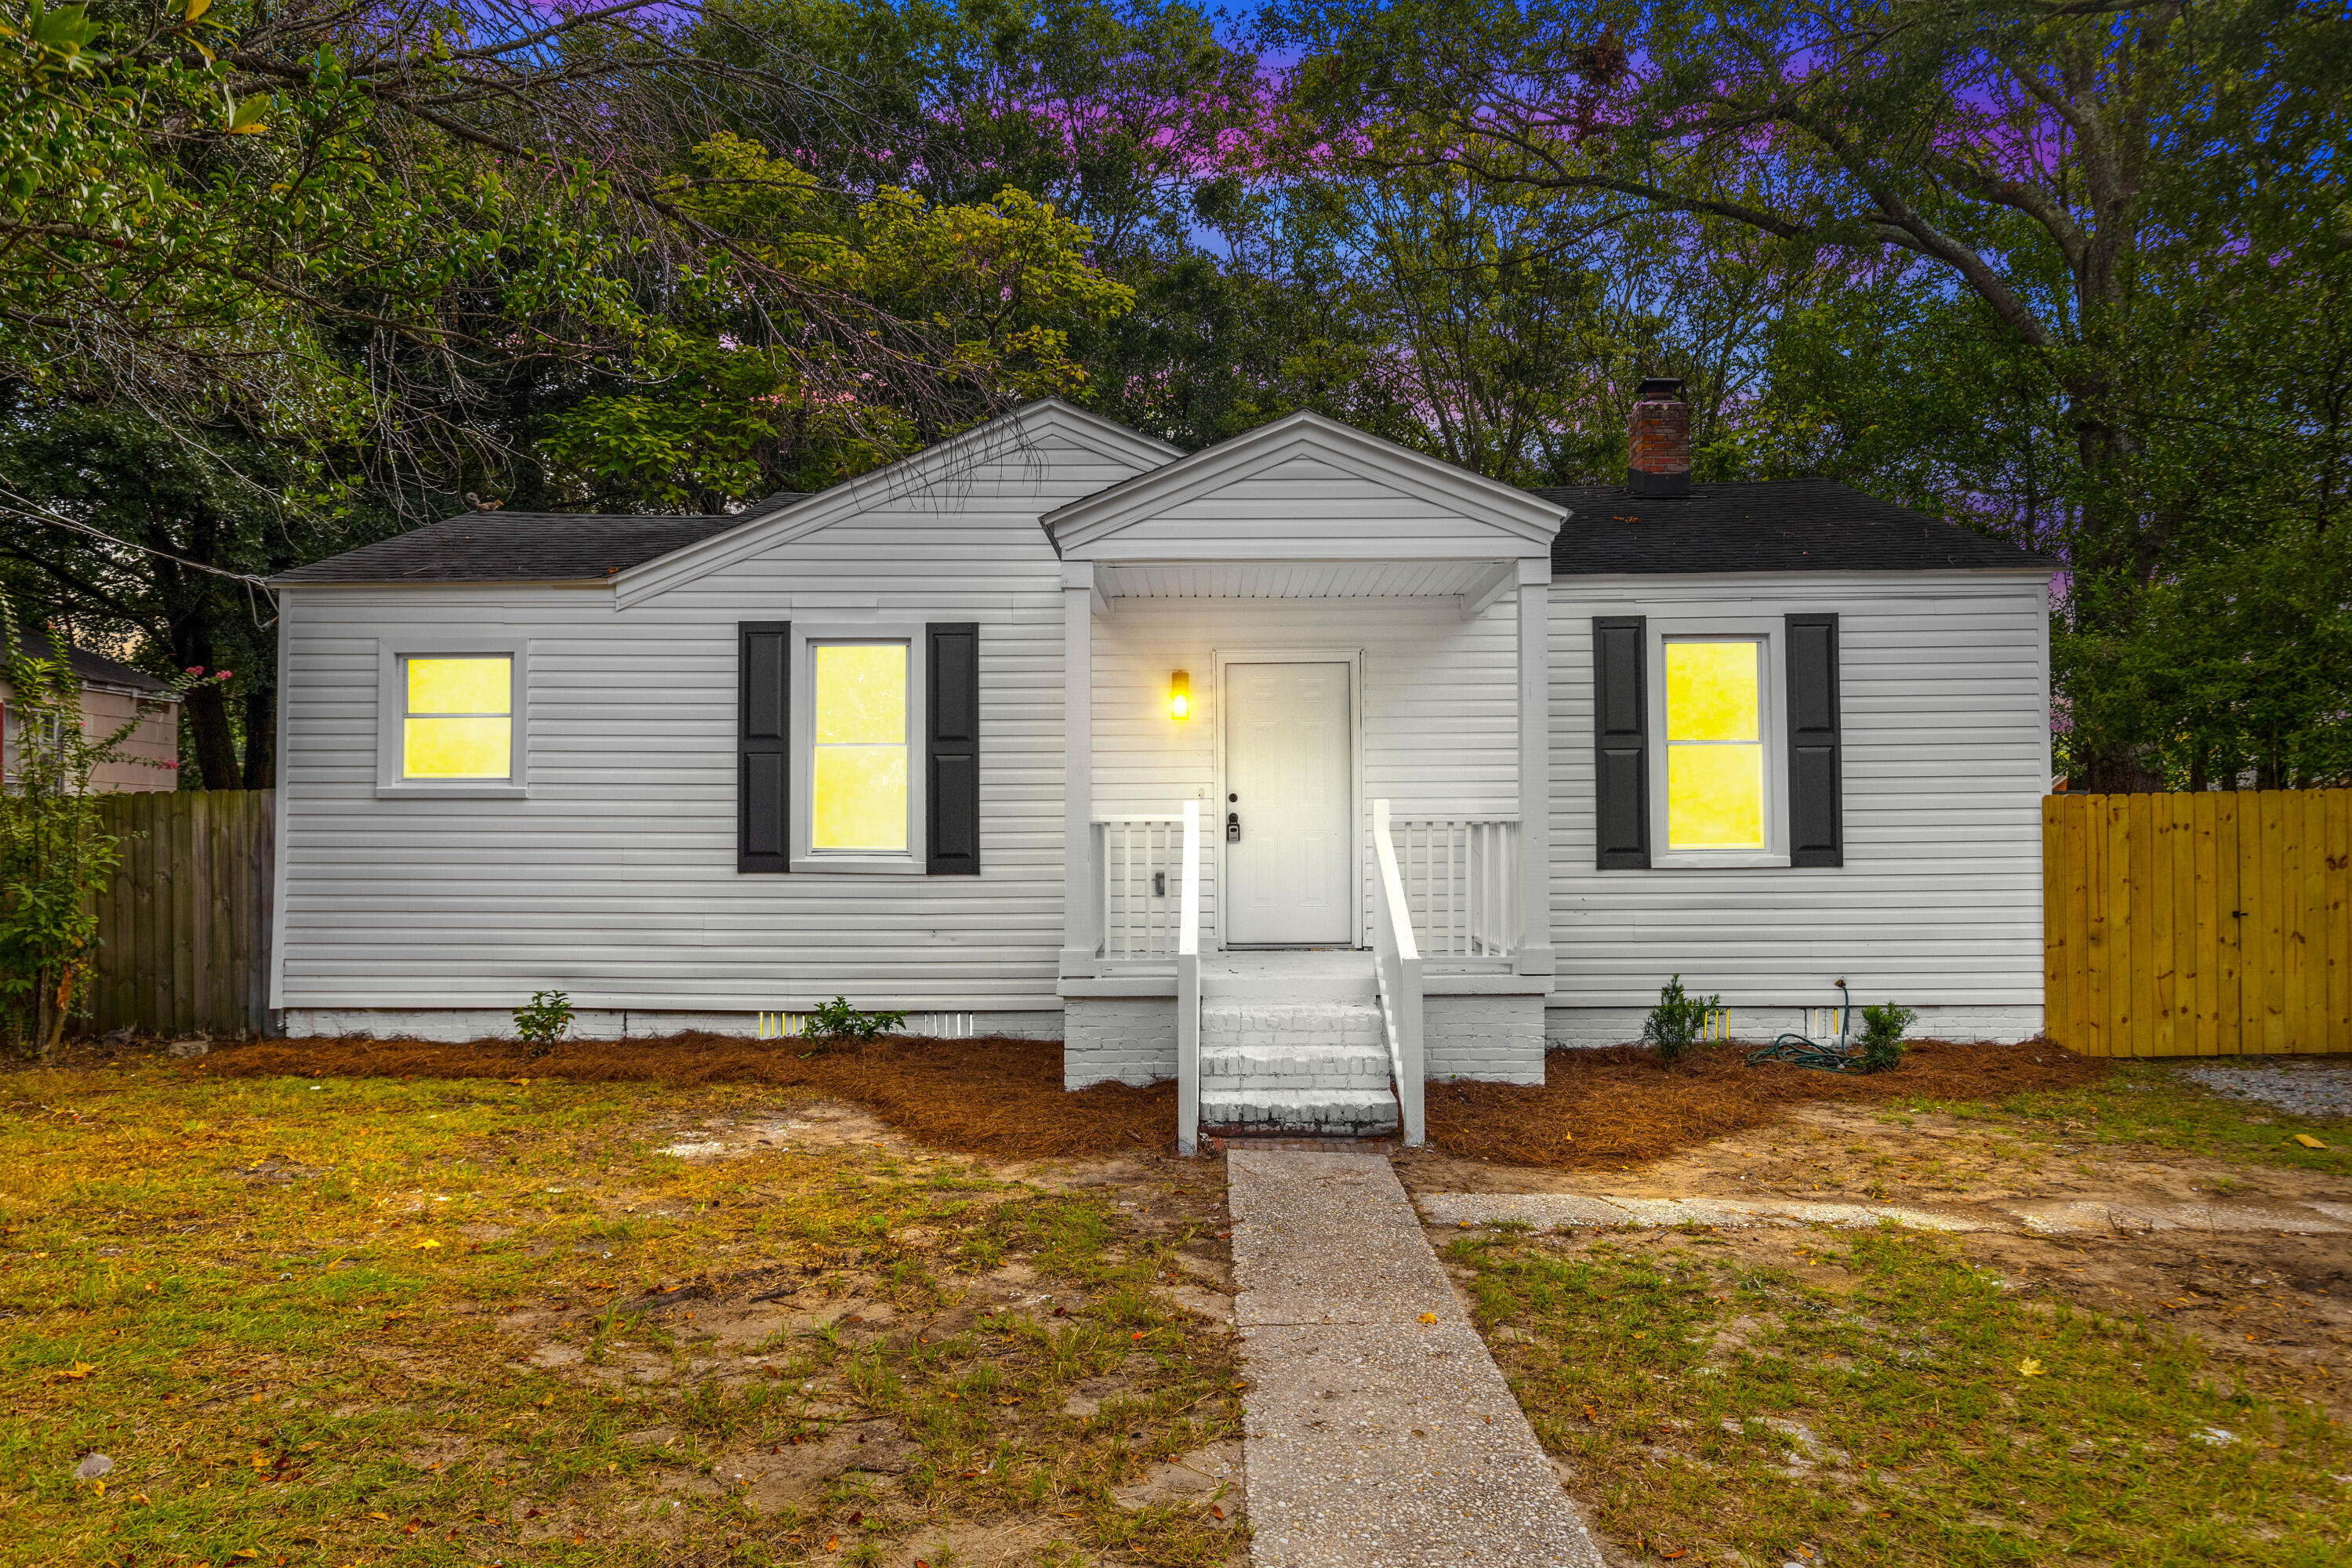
1615	1106
1605	1108
991	1095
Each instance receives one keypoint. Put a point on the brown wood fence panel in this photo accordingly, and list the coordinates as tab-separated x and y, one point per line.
2209	924
185	926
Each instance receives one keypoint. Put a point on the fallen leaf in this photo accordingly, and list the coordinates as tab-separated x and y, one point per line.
2308	1142
1429	1316
385	1517
245	1551
74	1374
427	1245
2030	1367
520	1082
832	1544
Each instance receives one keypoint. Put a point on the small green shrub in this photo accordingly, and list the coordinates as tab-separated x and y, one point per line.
1677	1021
837	1020
547	1020
1882	1036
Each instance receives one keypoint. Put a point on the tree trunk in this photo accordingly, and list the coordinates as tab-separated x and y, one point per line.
208	728
260	737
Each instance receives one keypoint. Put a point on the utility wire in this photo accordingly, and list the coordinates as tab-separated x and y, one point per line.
23	507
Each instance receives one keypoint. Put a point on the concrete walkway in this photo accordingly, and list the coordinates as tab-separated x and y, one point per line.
1377	1428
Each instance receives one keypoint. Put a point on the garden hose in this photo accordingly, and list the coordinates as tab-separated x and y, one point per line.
1804	1051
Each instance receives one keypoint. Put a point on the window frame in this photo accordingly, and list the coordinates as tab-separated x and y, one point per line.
392	711
1771	736
807	636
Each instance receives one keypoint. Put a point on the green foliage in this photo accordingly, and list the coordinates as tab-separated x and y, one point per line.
55	854
837	1020
1678	1021
547	1018
1881	1045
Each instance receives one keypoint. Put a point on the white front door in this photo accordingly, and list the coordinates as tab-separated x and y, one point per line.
1290	875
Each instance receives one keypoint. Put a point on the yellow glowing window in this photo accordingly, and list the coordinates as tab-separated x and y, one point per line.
858	747
1714	745
460	719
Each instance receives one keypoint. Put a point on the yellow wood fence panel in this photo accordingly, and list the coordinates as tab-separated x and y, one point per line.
2215	923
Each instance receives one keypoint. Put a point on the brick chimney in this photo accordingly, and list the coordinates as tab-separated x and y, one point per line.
1660	439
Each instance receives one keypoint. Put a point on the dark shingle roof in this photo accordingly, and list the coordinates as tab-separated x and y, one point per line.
521	546
1785	525
93	668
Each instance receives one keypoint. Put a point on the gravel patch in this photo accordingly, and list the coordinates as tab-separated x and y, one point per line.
2298	1090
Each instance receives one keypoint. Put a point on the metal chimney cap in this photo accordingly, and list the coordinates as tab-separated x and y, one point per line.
1659	386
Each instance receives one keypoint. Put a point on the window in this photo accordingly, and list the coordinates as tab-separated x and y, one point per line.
858	775
457	721
1716	741
451	716
1715	744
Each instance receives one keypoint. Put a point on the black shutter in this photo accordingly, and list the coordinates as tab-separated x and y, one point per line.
1621	724
1816	786
763	746
951	786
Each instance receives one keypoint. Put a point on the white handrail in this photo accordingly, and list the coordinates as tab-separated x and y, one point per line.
1397	962
1188	988
1135	858
1462	878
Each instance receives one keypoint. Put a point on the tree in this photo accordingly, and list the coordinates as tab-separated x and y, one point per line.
53	851
2085	185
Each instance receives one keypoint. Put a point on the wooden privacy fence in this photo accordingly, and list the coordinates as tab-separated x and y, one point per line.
185	922
2198	924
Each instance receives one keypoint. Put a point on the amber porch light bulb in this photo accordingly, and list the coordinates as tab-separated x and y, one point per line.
1180	695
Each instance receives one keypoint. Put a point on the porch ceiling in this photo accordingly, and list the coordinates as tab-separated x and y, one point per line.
1302	579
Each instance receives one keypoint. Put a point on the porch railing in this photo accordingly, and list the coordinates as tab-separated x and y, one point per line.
1461	878
1396	960
1141	858
1187	984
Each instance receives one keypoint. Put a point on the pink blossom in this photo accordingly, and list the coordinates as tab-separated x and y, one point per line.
195	669
223	674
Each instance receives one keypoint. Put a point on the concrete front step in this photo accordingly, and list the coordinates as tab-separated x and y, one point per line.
1338	1112
1253	1021
1324	977
1294	1067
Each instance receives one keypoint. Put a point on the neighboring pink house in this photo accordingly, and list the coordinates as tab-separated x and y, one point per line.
110	693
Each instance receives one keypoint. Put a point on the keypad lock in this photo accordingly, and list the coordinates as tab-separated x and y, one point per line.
1233	827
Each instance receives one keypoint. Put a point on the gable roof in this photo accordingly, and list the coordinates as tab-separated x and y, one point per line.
1782	525
93	670
520	547
1024	426
1305	435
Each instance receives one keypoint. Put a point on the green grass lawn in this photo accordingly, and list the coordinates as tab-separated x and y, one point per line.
287	1310
1875	1398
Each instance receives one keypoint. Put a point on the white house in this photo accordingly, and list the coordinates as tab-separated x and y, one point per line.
1472	768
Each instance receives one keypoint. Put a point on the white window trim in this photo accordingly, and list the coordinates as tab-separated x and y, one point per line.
915	860
392	707
1773	698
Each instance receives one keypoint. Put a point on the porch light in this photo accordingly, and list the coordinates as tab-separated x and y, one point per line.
1180	695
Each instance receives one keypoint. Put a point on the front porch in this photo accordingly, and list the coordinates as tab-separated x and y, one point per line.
1356	774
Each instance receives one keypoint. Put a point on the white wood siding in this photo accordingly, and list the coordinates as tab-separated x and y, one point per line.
1944	682
615	881
1439	705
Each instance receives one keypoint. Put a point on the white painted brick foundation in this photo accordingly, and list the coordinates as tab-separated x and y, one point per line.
1131	1039
1496	1039
1571	1027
